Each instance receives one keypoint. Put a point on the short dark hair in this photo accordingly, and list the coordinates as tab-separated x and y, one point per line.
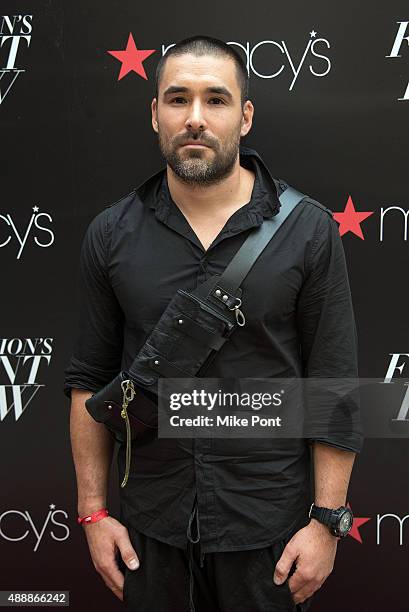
206	45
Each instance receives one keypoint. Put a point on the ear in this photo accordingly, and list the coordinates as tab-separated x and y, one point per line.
247	119
154	110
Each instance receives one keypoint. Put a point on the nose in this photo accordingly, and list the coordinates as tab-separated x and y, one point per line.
195	119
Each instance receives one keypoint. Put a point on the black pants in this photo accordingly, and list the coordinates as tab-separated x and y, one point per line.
172	580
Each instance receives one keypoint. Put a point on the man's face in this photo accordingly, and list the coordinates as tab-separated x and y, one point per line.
199	102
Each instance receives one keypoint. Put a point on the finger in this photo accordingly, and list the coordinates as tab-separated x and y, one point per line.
297	581
301	588
302	594
114	579
128	554
118	592
304	578
112	575
284	564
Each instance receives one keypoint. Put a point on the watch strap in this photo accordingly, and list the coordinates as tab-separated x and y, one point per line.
323	515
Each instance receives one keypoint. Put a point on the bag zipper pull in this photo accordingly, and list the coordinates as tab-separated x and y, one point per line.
128	395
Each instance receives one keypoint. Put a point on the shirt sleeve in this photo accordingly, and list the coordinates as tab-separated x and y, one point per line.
97	350
329	343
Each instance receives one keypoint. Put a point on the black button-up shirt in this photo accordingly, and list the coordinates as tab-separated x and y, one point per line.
135	254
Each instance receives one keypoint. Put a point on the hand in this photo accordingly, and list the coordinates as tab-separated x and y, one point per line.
103	537
313	548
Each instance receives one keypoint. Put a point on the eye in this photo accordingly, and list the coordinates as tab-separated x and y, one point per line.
178	98
217	100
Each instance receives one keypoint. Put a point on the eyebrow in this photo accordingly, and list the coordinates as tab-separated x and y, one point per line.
172	89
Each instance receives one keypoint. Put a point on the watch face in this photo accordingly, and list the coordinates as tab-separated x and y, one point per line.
345	522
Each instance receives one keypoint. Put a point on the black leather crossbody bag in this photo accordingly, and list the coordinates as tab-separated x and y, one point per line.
190	332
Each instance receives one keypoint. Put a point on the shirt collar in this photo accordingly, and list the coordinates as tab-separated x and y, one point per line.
264	202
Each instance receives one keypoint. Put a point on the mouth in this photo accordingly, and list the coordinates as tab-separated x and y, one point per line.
195	145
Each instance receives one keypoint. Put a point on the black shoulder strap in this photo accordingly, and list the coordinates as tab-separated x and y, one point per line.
242	262
257	241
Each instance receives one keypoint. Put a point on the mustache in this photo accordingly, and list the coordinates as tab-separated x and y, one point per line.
181	140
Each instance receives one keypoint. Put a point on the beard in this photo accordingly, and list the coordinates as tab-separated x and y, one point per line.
192	166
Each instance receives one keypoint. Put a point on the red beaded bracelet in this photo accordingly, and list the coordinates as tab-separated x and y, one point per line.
94	517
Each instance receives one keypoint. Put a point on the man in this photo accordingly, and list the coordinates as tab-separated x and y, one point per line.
212	524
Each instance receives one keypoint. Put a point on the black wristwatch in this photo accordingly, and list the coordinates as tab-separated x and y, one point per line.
339	520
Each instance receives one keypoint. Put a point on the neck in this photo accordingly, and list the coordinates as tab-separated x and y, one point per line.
203	200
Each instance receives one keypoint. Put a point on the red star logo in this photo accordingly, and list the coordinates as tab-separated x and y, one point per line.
350	219
356	524
132	59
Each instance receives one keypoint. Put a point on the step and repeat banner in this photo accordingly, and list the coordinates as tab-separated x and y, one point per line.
330	87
